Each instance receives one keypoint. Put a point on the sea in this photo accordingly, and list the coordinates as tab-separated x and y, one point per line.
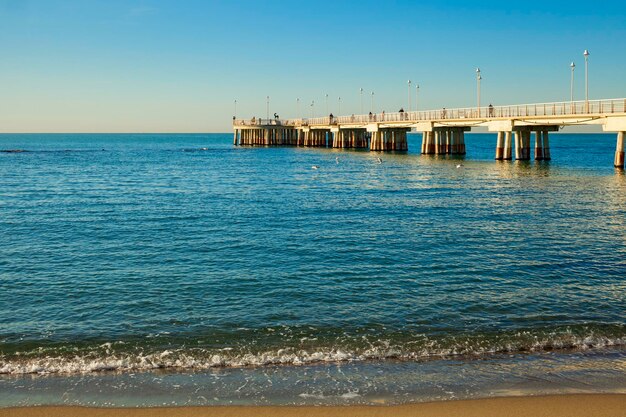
178	269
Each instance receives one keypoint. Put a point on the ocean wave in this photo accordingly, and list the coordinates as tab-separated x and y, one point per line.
106	357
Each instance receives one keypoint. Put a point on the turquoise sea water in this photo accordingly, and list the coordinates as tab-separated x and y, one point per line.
152	261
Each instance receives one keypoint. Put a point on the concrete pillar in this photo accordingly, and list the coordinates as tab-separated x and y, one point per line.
373	141
538	146
431	143
526	146
507	146
454	141
424	143
461	142
619	151
546	146
500	146
518	145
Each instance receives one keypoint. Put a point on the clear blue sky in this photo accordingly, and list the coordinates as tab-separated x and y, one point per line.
178	66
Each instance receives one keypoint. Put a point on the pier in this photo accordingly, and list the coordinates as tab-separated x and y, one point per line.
520	127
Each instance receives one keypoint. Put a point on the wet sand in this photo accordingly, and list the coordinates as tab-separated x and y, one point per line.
583	405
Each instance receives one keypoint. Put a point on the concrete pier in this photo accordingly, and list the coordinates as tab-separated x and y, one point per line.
500	146
538	145
443	132
507	152
444	141
619	151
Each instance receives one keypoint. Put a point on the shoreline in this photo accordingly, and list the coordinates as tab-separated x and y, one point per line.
567	405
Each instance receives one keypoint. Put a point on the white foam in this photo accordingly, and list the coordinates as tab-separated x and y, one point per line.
202	359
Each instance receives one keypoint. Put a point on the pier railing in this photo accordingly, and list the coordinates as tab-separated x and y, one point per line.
591	108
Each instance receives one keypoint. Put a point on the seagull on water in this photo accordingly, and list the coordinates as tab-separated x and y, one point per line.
379	161
459	166
337	159
314	167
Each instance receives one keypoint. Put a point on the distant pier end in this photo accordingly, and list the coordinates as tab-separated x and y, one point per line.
443	131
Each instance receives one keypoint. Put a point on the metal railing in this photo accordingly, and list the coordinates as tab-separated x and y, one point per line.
591	108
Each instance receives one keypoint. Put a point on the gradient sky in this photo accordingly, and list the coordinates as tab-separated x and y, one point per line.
178	66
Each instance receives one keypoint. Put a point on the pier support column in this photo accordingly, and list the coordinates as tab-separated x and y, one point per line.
500	146
456	141
619	151
507	151
462	143
526	146
518	145
546	146
437	142
431	143
538	145
374	141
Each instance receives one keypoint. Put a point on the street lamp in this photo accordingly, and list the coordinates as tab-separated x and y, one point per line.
478	78
327	103
571	83
417	90
361	89
268	109
298	105
312	105
586	55
339	112
409	95
372	105
235	109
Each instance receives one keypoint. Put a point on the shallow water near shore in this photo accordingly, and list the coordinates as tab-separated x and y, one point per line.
138	268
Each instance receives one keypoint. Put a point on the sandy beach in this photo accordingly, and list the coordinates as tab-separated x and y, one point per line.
583	405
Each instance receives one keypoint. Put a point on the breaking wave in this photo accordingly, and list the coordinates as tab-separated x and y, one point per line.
124	357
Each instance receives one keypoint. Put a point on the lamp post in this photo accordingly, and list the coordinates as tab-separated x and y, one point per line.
478	78
586	55
372	105
339	112
298	105
409	82
361	89
268	109
571	83
235	109
417	90
327	103
312	106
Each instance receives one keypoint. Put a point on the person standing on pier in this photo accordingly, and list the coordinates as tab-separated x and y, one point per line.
490	110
